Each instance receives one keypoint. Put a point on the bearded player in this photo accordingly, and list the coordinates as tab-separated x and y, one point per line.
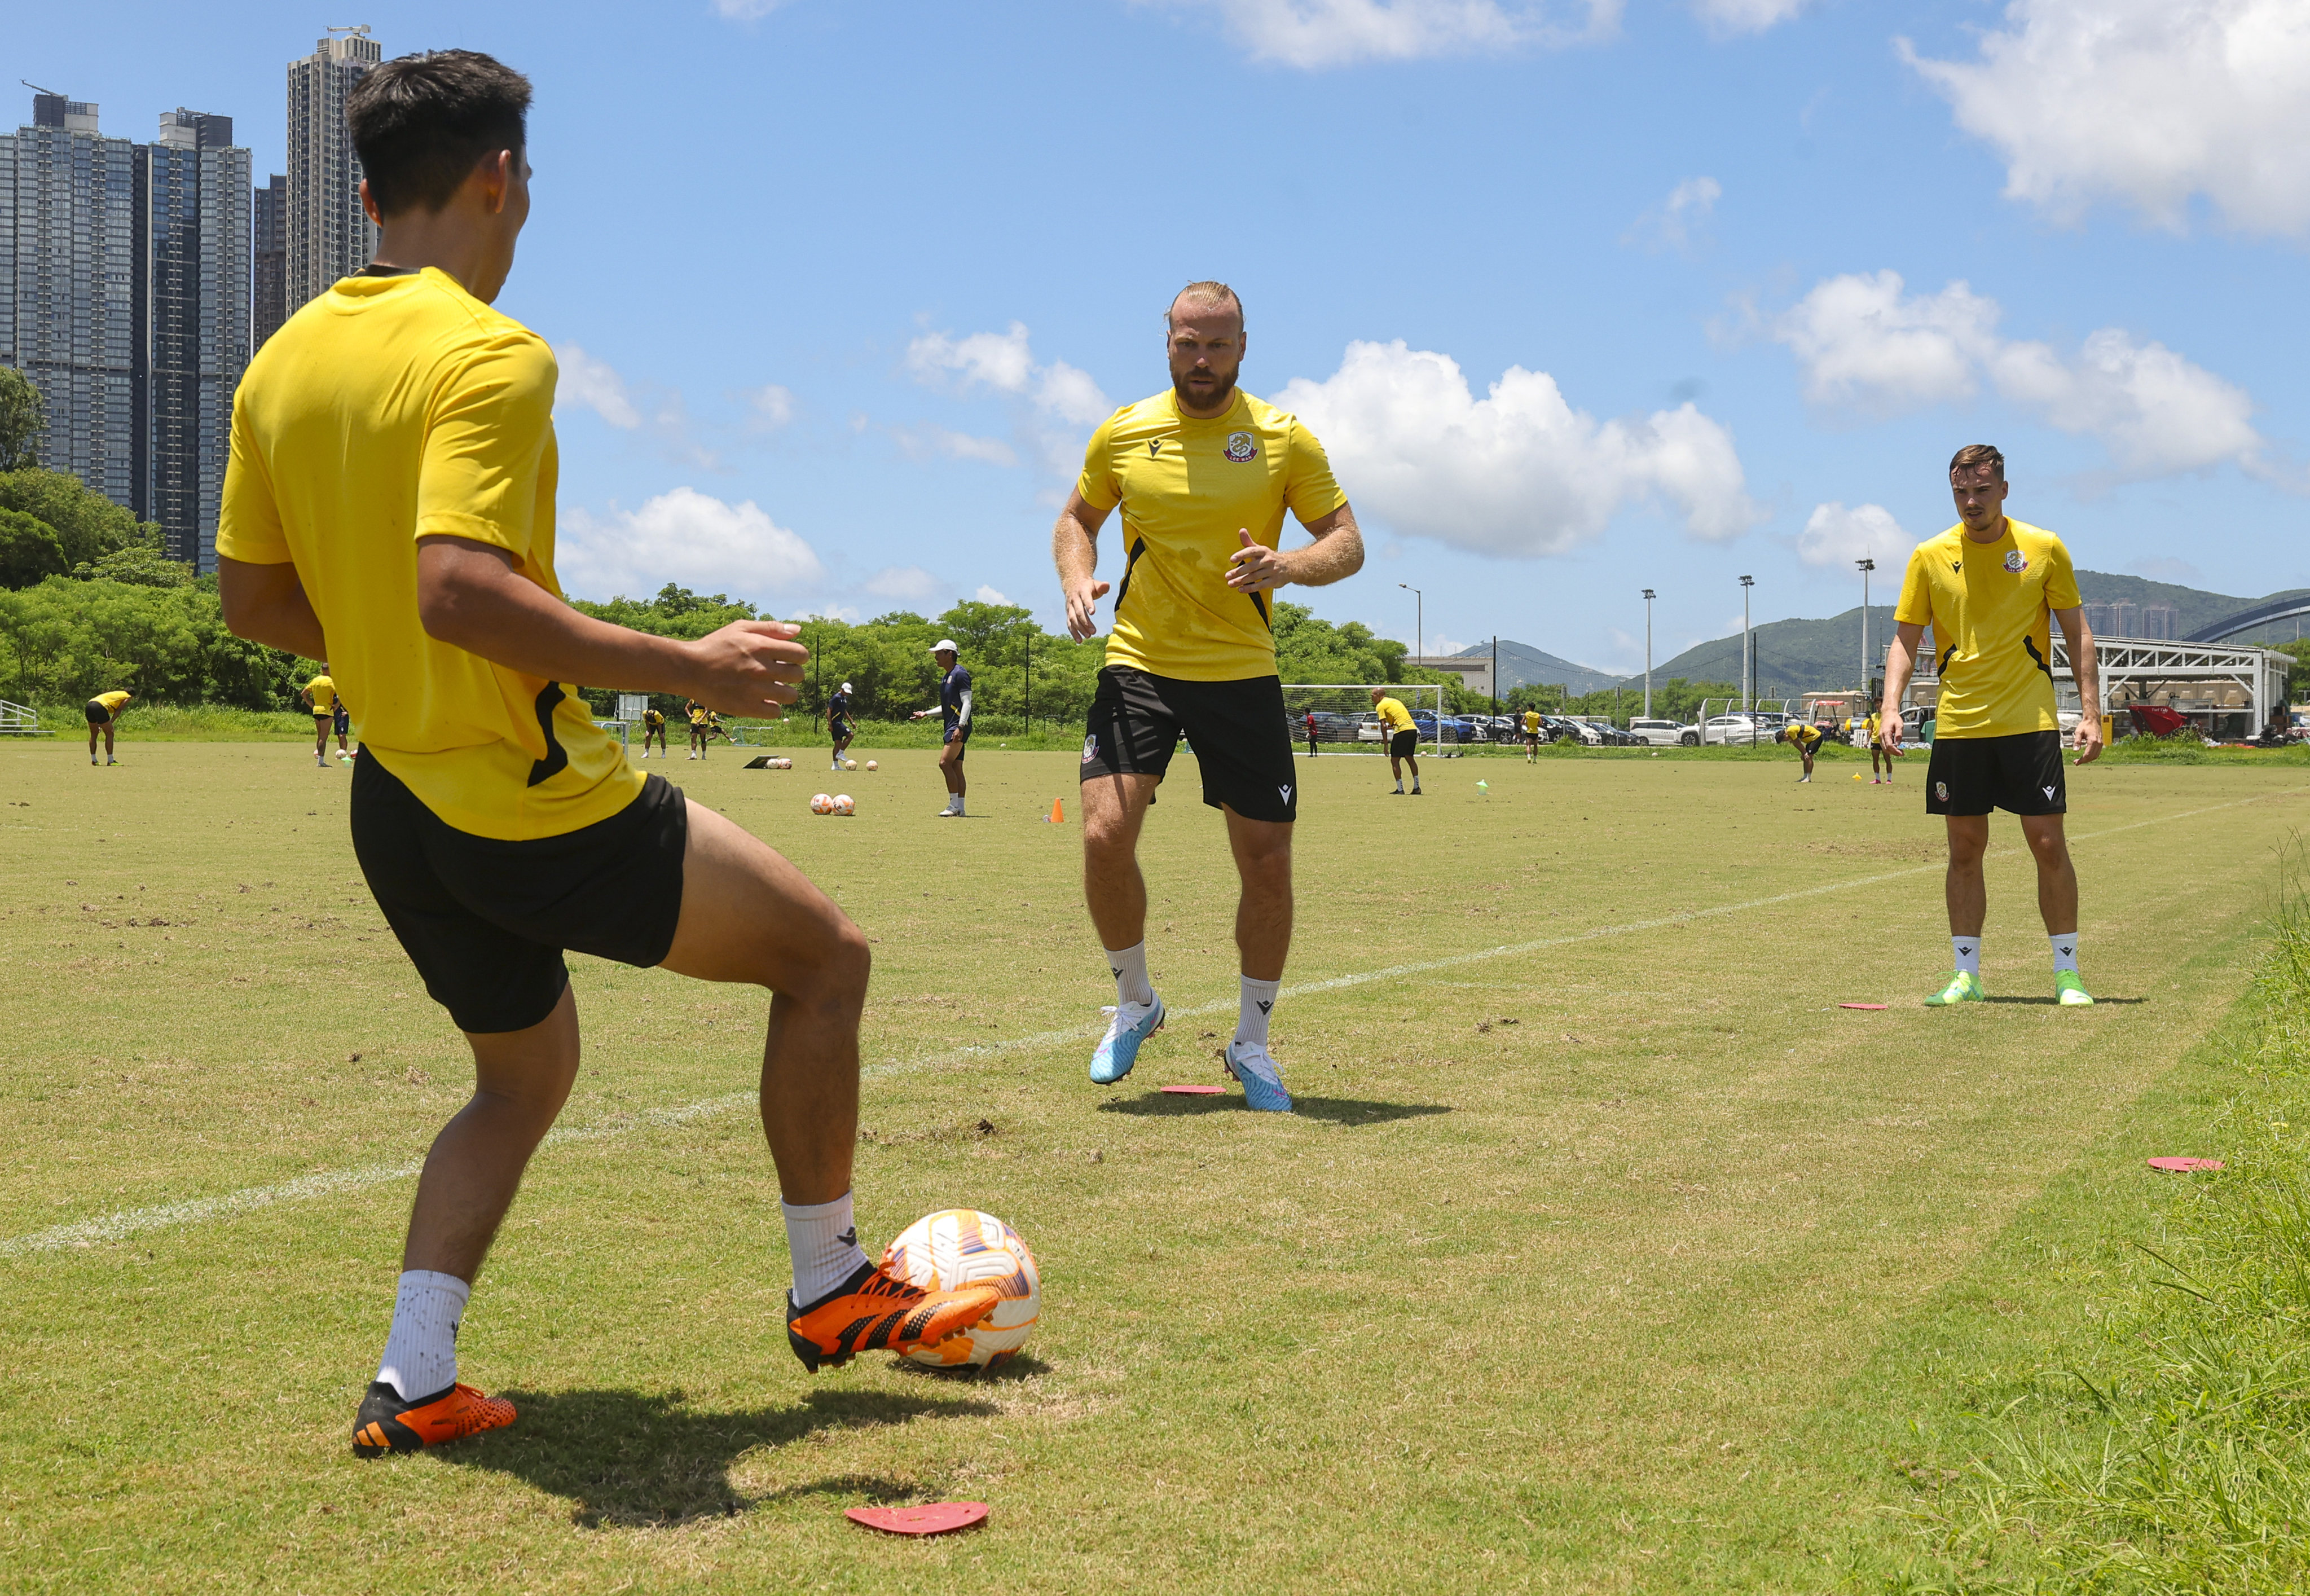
1203	474
391	488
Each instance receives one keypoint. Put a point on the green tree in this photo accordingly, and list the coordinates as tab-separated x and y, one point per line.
30	549
140	566
24	417
88	524
65	641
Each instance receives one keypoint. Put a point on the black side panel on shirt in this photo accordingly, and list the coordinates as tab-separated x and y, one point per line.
557	757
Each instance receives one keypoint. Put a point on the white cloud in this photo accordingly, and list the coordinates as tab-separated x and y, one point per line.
595	386
2147	102
682	537
1053	403
1836	536
772	407
923	443
1865	343
1519	472
999	360
987	596
745	11
909	583
1672	224
1725	17
1313	34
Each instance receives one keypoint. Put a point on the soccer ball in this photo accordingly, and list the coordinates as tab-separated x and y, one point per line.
844	804
872	765
850	764
821	804
781	764
961	1246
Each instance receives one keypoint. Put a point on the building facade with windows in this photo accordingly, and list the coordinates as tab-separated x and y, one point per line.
328	235
268	271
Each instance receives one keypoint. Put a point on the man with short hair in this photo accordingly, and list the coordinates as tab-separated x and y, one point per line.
1403	734
954	716
1988	587
1878	754
341	723
103	710
1531	736
1203	474
1807	739
654	727
391	488
320	696
701	719
838	722
1310	722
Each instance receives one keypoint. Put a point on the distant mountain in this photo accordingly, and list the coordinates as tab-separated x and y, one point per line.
1521	662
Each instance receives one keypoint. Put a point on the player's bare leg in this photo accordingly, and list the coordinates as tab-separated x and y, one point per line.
950	767
1262	938
1114	809
2057	877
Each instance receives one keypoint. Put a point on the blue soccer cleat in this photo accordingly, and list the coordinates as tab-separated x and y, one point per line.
1263	1083
1118	1050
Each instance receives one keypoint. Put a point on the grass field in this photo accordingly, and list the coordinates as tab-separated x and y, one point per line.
1606	1252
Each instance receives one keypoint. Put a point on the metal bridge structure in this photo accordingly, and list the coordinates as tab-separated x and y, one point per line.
2242	681
2283	609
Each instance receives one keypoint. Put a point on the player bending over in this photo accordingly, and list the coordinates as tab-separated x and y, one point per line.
1403	734
839	724
1987	587
1202	475
653	728
954	717
391	488
103	711
1807	739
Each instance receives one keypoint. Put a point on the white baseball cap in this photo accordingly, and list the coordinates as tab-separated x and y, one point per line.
845	687
946	646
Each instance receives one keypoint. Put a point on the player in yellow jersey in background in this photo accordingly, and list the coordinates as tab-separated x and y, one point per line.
1203	474
320	696
103	710
1403	734
391	488
653	728
1531	736
1806	738
1989	587
1878	754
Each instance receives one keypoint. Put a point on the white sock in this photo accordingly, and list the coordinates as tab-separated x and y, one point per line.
1252	1009
824	1241
1968	954
1130	968
2065	953
420	1351
958	803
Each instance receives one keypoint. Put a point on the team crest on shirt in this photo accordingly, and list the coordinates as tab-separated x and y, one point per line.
2014	561
1242	447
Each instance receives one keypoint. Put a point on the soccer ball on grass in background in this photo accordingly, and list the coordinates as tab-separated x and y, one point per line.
844	804
850	764
821	803
870	765
961	1246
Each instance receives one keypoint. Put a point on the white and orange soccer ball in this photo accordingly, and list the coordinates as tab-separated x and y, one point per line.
781	764
845	804
850	764
870	765
821	803
961	1246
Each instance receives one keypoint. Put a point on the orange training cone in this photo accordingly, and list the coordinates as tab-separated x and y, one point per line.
1058	812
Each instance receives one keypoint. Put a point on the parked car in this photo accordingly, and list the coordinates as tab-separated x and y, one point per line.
1368	730
1331	727
1664	733
1736	730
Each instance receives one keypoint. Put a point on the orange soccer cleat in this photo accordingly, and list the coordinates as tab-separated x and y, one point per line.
390	1422
873	1312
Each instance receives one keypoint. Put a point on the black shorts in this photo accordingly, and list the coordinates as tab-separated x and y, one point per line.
343	720
1240	735
840	728
98	715
485	921
2022	773
1404	744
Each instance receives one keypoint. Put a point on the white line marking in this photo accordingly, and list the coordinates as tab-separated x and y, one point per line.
118	1226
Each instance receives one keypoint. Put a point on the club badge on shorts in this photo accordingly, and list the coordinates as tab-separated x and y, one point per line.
1090	748
1242	447
2014	561
1940	791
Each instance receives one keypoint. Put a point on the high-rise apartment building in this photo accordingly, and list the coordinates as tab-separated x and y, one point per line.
192	230
68	287
268	272
329	238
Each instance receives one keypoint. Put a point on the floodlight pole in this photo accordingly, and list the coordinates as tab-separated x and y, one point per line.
1866	566
1747	687
1418	618
1648	654
1496	675
1027	689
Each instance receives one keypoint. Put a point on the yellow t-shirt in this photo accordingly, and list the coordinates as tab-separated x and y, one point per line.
113	700
1186	488
388	410
1989	607
1530	723
324	695
652	719
1394	717
698	713
1803	734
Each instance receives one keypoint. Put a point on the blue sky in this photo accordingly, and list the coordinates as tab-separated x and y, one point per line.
1583	298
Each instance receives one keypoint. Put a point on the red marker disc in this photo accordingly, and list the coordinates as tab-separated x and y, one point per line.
937	1517
2185	1164
1193	1091
1860	1005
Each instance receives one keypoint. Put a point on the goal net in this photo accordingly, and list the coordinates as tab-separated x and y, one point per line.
1343	721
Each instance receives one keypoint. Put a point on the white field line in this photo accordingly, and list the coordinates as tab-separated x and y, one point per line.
127	1222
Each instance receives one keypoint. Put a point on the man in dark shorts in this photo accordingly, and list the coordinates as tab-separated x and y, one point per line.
1203	474
838	722
1311	734
103	710
341	721
392	458
653	729
1403	734
1989	587
954	718
1805	738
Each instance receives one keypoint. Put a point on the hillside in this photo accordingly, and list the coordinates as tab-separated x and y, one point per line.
1522	664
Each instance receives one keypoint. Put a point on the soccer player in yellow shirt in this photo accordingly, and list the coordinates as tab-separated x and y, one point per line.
1203	474
1531	736
1989	587
1403	734
1807	739
654	727
320	696
1878	754
391	487
103	710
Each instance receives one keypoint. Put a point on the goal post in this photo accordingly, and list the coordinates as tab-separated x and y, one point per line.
1344	722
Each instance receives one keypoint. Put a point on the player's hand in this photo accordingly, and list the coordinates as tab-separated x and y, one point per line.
748	667
1082	600
2086	739
1889	734
1255	568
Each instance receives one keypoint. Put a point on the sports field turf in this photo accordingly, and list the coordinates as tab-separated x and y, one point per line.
1605	1252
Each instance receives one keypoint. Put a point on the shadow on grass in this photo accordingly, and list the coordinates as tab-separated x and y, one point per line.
2047	1002
1339	1111
625	1459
